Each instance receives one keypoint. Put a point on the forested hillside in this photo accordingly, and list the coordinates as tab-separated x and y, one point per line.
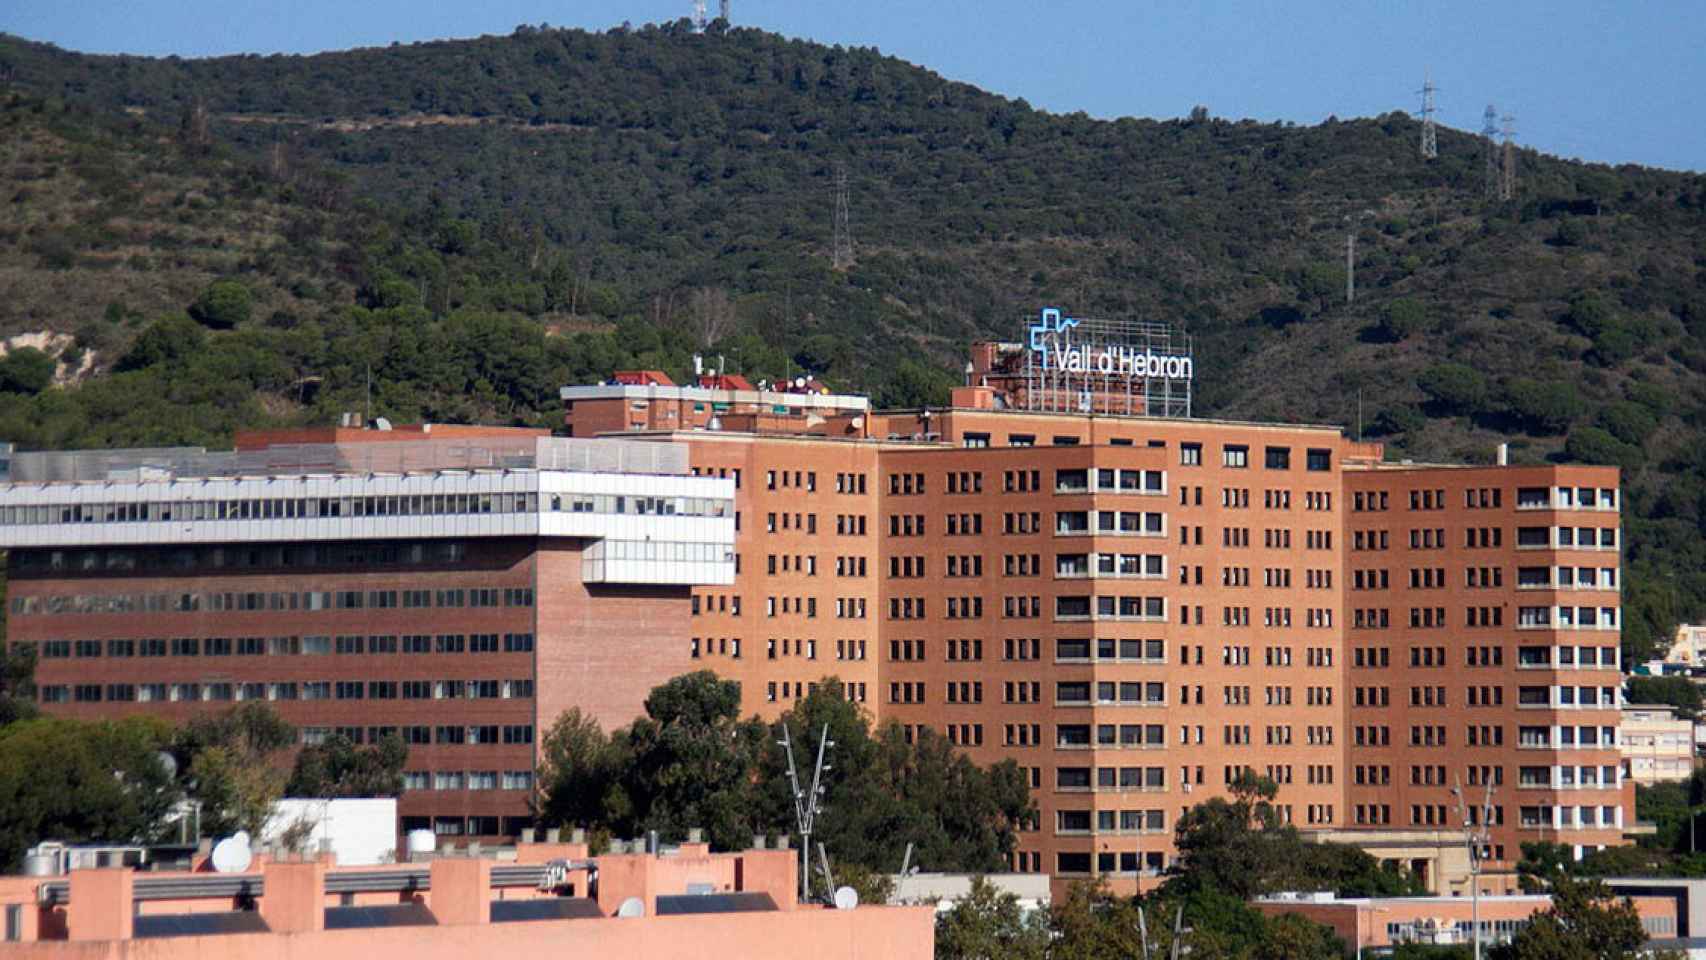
469	224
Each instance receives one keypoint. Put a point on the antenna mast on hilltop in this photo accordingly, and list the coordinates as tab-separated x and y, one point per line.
842	252
1430	141
1490	129
723	10
1507	177
699	15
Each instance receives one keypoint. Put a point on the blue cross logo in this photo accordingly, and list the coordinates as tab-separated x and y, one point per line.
1051	329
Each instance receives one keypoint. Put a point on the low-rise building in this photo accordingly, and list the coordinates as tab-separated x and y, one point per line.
551	899
1380	923
1657	745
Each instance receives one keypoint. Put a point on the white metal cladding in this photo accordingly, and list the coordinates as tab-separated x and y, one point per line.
802	401
401	457
695	512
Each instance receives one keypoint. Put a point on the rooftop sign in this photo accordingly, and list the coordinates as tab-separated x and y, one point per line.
1107	366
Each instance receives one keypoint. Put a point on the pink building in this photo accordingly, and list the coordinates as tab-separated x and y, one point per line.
684	902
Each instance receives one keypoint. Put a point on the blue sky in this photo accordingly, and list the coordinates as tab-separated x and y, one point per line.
1613	82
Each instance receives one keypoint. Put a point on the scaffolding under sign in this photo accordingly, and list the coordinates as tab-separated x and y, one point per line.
1126	367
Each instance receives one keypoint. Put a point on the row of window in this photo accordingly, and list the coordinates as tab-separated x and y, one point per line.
272	601
417	643
209	559
224	690
420	780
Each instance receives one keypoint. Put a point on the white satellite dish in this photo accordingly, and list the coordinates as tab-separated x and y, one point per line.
846	898
632	907
242	837
167	763
232	855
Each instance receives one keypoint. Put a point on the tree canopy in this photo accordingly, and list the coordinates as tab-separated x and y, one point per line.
691	761
80	781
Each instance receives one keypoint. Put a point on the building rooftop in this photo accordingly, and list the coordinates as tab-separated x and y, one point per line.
354	457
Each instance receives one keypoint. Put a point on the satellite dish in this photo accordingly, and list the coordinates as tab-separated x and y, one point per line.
846	898
232	855
167	763
632	907
242	837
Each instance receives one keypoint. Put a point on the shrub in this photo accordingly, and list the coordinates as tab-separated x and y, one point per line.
223	305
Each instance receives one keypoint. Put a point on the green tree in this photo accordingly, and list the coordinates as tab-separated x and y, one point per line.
887	792
26	370
1593	445
988	924
1544	407
171	338
1456	387
694	761
1628	421
1403	318
914	384
223	305
580	771
1679	692
341	768
82	781
17	683
1585	922
233	764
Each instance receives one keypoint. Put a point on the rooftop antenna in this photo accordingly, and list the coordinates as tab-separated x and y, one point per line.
1476	837
1430	140
806	805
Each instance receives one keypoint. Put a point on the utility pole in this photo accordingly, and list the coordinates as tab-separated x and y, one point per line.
806	806
1351	265
1476	836
842	254
1430	139
1507	179
1489	130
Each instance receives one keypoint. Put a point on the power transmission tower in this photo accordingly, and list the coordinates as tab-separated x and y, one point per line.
1490	130
842	254
1430	140
1507	176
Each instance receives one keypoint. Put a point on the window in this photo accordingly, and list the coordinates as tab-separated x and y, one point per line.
1190	454
1276	458
1319	460
1235	455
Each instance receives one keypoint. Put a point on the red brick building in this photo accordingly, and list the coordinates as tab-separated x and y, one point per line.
1063	567
458	588
1137	608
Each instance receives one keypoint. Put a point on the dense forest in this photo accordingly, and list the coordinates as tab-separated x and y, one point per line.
188	246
